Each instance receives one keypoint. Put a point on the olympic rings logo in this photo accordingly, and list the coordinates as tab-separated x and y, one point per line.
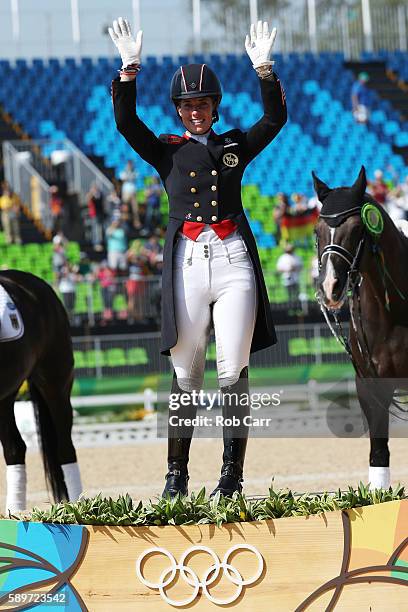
209	577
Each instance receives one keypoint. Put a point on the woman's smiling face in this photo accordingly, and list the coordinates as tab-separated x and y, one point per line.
196	114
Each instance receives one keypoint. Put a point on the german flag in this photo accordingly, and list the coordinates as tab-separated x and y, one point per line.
298	226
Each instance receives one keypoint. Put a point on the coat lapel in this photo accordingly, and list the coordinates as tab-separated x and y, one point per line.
215	145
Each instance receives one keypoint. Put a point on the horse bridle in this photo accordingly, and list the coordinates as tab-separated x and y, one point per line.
351	287
354	276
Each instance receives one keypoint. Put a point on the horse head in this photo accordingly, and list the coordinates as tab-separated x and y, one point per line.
346	214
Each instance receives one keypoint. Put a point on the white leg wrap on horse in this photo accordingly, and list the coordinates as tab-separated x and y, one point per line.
379	477
16	476
72	479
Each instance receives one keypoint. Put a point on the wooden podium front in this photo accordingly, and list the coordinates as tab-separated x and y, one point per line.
352	560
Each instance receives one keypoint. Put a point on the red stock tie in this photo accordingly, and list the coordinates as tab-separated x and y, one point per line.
224	228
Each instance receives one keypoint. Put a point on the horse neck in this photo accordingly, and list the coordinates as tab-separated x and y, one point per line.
391	257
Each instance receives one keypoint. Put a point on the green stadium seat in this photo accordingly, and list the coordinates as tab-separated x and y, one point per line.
298	347
32	249
79	359
137	356
119	302
97	302
115	357
81	304
14	251
73	252
47	248
95	358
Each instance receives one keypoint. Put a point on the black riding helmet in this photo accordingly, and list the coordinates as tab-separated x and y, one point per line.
196	81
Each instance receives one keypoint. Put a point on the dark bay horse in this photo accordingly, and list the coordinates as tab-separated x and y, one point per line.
43	356
363	265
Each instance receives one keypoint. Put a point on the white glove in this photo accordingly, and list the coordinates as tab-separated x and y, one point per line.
259	47
130	49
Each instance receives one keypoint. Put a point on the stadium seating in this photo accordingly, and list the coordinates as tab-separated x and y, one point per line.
70	98
73	99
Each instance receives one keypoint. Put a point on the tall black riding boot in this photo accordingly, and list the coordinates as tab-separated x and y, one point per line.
179	440
235	436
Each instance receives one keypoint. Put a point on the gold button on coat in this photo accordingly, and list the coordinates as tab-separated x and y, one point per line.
193	190
214	172
214	218
214	203
199	218
213	187
196	204
192	174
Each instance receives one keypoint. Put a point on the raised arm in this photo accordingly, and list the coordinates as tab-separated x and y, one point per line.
259	48
138	135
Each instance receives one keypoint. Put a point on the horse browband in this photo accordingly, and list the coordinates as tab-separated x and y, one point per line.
344	213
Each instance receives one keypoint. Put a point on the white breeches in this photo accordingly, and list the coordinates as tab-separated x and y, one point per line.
212	278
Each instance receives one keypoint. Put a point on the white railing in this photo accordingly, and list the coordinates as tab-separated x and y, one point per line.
27	182
62	157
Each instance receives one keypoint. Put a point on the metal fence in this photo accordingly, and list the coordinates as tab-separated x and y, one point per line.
140	300
139	354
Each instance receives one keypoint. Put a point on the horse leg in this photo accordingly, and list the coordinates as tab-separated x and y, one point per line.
375	398
56	401
53	384
14	450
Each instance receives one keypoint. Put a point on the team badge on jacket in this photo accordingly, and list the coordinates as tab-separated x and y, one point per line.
230	159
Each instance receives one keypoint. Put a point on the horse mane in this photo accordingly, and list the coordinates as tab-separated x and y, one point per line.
387	219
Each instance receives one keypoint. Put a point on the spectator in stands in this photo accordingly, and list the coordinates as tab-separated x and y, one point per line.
296	223
378	187
84	266
126	218
135	248
134	288
60	238
129	193
156	288
152	200
282	207
151	251
107	280
57	209
67	289
397	203
10	215
96	213
360	98
116	245
113	203
142	230
299	203
314	271
59	258
289	266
